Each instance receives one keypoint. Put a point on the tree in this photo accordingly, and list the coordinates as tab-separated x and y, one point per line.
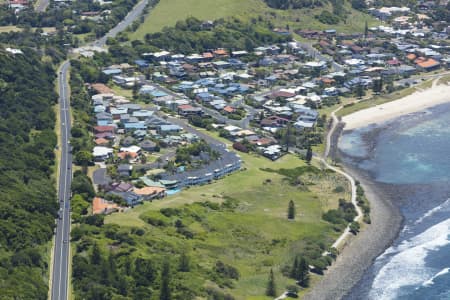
309	155
377	85
184	263
303	273
366	30
291	210
83	158
359	91
96	257
294	269
271	289
165	293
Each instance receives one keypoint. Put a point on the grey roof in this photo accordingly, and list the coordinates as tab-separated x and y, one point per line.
124	168
100	177
226	158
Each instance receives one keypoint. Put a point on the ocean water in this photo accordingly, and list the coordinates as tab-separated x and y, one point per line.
410	156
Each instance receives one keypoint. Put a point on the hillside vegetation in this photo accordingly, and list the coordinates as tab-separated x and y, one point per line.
220	241
28	203
168	12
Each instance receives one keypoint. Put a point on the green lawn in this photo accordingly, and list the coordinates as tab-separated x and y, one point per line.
9	28
168	12
256	236
128	93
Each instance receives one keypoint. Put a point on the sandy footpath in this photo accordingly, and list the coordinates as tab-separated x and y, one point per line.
415	102
361	250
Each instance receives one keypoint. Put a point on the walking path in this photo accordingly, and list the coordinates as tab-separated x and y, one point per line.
323	160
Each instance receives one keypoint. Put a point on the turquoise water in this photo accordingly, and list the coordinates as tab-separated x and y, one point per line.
172	192
412	156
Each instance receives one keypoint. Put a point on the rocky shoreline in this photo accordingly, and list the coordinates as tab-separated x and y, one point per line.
361	250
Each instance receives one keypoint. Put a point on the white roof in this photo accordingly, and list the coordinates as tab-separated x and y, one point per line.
133	149
14	51
231	128
101	151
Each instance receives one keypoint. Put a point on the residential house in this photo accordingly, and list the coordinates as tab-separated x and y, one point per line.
148	145
151	192
124	170
102	206
189	110
101	153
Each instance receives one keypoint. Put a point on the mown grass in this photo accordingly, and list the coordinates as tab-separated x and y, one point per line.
168	12
9	28
256	235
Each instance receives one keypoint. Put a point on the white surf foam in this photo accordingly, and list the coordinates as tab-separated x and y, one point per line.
433	211
406	266
431	280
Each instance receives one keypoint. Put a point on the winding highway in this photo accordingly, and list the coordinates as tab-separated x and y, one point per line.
60	274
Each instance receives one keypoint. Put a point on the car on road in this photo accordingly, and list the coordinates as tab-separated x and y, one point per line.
65	241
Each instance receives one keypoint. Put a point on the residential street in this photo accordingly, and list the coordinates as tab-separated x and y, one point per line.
41	5
60	276
129	19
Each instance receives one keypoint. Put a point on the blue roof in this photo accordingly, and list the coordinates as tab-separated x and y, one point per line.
170	127
158	93
112	71
204	95
136	125
141	63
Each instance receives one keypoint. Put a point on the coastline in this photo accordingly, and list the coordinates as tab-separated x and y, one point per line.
360	251
420	100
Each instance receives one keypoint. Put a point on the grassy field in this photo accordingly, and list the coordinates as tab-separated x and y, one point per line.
168	12
9	29
245	237
121	91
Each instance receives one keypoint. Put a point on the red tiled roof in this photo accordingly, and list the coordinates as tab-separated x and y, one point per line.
185	106
429	63
220	52
101	206
229	109
125	155
100	129
149	190
101	141
411	56
282	94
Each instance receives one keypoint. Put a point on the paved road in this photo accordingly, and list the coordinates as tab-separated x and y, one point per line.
61	256
244	123
129	19
316	54
42	5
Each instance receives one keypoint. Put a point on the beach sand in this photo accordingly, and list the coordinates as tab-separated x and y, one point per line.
363	249
415	102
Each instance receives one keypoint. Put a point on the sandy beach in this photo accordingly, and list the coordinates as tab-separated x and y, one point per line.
361	250
415	102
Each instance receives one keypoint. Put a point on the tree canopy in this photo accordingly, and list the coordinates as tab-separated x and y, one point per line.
28	203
